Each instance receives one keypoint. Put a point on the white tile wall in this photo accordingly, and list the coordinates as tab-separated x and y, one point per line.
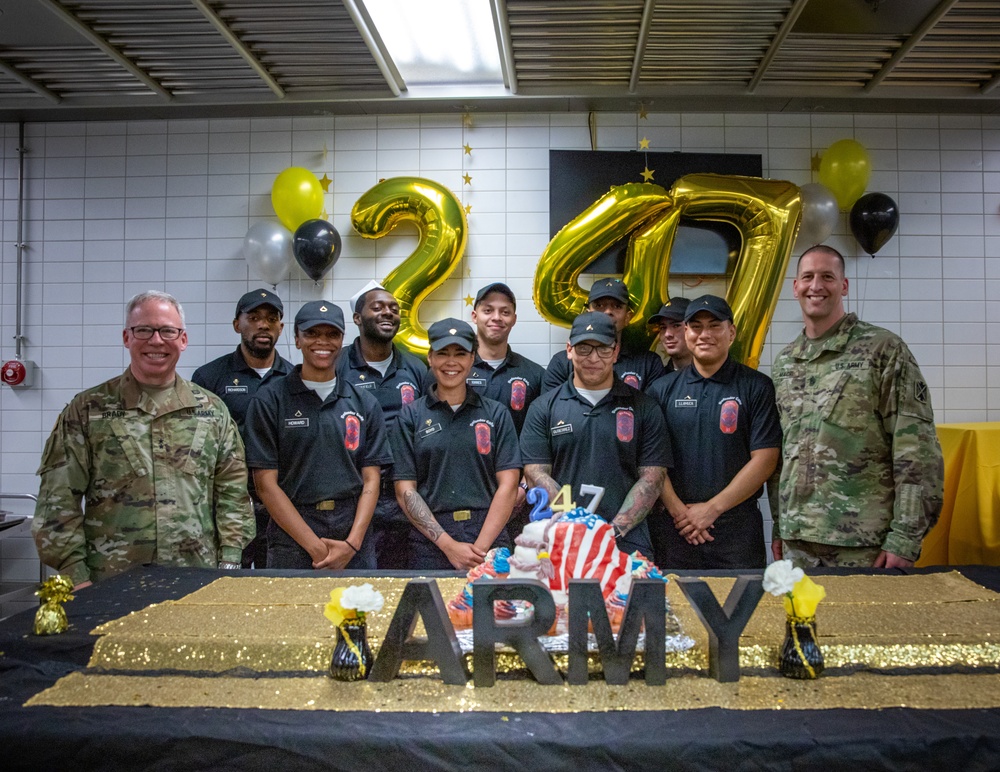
116	207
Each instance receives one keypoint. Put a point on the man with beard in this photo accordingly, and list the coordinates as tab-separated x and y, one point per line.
395	377
236	378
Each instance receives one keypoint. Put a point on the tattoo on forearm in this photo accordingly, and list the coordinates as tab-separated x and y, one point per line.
540	476
641	497
421	516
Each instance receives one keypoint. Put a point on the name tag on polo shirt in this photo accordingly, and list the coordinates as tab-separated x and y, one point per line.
561	429
365	385
237	389
476	381
427	431
296	423
685	403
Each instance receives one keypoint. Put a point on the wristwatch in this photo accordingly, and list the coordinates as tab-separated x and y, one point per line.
226	565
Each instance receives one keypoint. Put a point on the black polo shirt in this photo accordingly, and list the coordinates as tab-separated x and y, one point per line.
602	444
515	384
236	382
318	447
638	370
402	383
714	423
454	456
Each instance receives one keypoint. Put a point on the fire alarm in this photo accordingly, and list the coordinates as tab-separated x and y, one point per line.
17	374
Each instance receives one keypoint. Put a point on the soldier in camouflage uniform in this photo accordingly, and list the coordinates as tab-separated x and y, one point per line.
157	461
862	478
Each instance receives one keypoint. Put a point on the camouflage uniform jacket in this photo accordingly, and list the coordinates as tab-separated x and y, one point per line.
862	466
164	485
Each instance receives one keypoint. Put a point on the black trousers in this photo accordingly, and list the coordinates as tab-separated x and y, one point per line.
425	555
284	552
390	530
739	541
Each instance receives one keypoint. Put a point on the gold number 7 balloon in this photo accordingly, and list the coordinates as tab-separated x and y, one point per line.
443	230
767	213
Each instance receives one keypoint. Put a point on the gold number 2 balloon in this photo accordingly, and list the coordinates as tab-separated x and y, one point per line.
443	230
766	213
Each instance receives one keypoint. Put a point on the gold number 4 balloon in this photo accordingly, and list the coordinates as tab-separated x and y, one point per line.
766	213
442	227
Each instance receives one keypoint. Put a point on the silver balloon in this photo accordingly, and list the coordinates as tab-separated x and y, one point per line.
820	212
267	248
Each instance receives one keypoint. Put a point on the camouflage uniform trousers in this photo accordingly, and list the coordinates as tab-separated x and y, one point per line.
807	554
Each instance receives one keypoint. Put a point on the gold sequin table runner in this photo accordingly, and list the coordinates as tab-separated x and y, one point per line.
929	640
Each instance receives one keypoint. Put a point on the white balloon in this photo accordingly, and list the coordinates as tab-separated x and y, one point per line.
267	248
820	212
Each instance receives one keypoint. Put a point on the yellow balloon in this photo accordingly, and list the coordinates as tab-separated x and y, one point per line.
442	227
557	292
845	169
767	213
296	196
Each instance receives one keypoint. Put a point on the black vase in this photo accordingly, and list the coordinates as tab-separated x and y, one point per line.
352	657
800	654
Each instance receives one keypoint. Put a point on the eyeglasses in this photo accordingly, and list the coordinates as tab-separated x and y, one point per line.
586	349
146	333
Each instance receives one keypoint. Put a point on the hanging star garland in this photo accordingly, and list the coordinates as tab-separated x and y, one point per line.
325	181
466	120
644	144
467	179
647	175
467	208
642	111
467	148
469	300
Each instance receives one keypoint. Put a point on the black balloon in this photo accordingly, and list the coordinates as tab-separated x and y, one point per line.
316	247
874	219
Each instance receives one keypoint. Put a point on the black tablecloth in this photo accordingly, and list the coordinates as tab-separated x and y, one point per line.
120	738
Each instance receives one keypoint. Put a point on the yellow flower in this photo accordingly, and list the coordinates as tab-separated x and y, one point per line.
333	610
804	598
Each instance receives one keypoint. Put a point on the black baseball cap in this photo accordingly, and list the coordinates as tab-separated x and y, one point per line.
672	311
593	325
451	330
497	286
256	298
608	288
319	312
715	305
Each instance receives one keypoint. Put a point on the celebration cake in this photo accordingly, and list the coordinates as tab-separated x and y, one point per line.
554	548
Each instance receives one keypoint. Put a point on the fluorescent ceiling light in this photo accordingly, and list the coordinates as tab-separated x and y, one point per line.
439	42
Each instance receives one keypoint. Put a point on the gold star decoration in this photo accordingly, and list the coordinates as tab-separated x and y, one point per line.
647	175
467	208
324	215
816	161
468	148
467	178
644	144
469	300
642	111
467	120
468	271
325	181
